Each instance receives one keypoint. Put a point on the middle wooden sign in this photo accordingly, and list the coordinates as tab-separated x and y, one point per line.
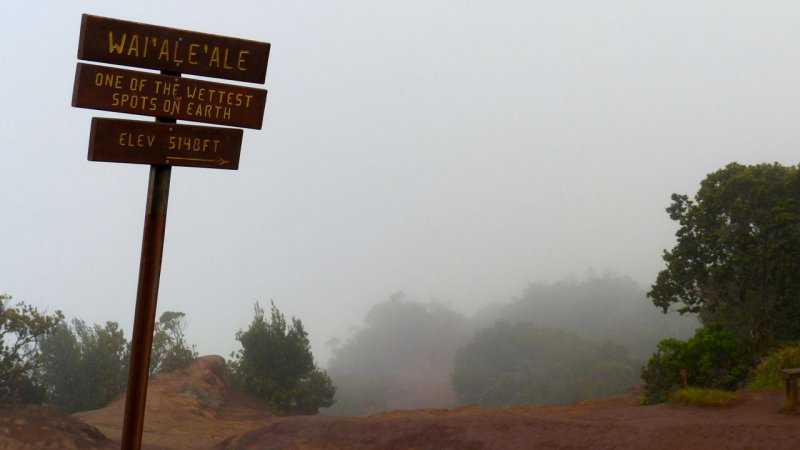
154	95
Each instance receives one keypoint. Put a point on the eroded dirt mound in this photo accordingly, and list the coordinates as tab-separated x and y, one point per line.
614	423
36	427
192	408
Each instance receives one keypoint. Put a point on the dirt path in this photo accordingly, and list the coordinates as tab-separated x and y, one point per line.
615	423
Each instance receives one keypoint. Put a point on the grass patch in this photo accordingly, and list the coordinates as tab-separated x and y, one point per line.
768	372
692	396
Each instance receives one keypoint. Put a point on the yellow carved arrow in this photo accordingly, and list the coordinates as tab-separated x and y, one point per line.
220	160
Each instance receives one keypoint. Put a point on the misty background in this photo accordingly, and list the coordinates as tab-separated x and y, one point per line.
457	152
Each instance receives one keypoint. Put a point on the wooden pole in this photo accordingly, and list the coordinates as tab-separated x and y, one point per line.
155	223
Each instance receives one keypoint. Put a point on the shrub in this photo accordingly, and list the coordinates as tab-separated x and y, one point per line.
768	372
712	359
275	364
519	363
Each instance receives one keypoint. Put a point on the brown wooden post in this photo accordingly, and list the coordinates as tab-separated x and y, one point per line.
146	299
790	377
144	320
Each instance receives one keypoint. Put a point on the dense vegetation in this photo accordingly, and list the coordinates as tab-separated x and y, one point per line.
608	308
84	367
404	355
737	259
22	327
767	373
712	358
76	367
73	366
275	364
519	363
170	349
736	264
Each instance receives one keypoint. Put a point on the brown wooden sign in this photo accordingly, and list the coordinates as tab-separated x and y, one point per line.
151	94
133	141
136	44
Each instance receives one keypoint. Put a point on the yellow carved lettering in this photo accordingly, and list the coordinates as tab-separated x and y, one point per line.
175	53
192	58
115	47
225	60
164	52
214	57
241	63
133	47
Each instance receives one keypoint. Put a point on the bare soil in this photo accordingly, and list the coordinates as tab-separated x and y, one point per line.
195	409
612	423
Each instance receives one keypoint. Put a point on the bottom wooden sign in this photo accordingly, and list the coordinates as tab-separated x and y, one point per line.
133	141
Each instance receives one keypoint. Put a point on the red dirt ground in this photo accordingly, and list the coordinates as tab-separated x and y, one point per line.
194	409
613	423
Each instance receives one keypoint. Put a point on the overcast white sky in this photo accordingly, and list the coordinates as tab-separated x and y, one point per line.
451	150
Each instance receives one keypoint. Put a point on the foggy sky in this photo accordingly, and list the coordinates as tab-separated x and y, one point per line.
455	151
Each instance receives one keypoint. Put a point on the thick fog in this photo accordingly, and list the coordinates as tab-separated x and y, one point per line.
459	152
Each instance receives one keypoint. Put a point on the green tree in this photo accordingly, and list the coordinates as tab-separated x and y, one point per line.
170	350
276	364
22	327
84	367
62	370
737	257
519	363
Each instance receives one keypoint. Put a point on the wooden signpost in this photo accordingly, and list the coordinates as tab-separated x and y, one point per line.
163	144
136	44
133	141
154	95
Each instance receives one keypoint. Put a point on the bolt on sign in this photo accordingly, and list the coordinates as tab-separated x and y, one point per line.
162	144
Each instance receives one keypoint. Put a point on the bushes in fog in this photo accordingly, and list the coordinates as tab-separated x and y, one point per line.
712	358
22	327
170	349
275	364
519	363
84	367
401	358
608	308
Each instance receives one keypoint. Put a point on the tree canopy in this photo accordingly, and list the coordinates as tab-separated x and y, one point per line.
276	364
22	328
170	349
84	367
605	308
737	257
517	363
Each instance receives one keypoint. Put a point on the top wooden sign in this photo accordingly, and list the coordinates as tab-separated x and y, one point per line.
136	44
